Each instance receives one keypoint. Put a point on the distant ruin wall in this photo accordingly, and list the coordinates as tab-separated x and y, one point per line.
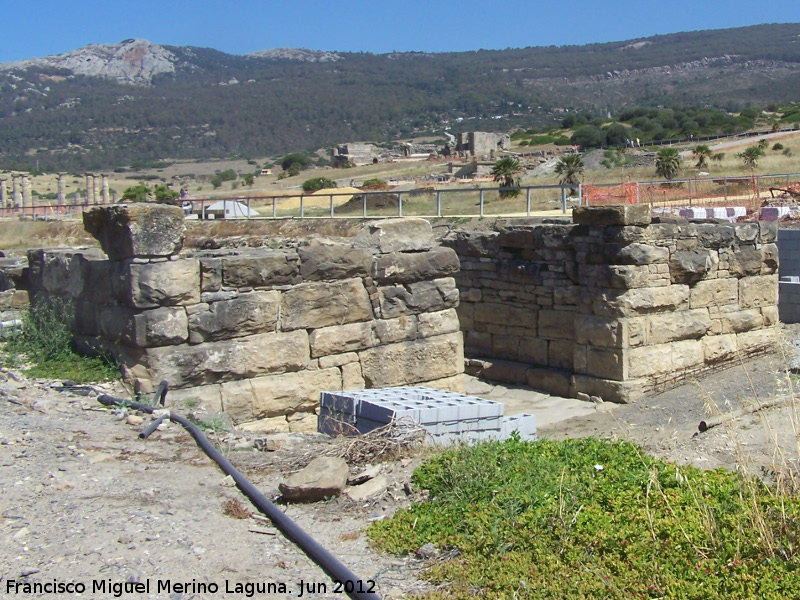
614	305
259	333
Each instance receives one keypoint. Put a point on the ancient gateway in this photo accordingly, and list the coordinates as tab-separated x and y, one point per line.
613	305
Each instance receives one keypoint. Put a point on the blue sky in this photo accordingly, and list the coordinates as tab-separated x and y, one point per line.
35	28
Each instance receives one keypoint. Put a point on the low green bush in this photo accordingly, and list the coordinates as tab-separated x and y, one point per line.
45	343
597	519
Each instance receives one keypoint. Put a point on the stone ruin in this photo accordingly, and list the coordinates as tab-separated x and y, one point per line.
612	306
615	305
260	333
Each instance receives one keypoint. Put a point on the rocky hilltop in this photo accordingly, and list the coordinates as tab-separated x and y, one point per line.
131	61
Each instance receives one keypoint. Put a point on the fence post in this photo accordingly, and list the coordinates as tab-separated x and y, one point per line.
400	204
438	203
638	197
331	197
580	193
726	190
302	212
528	202
564	200
690	192
364	206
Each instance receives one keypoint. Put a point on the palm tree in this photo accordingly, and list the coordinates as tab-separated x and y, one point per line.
570	167
751	155
505	173
668	163
702	153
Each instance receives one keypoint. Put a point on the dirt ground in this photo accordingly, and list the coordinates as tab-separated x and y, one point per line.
84	500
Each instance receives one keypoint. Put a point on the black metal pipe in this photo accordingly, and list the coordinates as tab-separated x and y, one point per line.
152	427
335	569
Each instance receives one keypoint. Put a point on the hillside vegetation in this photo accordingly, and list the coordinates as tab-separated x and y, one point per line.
214	104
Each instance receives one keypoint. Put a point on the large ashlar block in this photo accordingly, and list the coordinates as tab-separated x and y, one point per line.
137	230
208	397
255	312
556	324
646	361
758	340
679	325
167	283
607	332
639	254
687	354
438	323
338	339
420	297
164	326
292	392
324	259
642	301
743	320
714	292
264	269
616	214
407	267
506	314
228	360
605	363
561	354
758	291
396	235
719	348
399	329
314	305
608	389
413	361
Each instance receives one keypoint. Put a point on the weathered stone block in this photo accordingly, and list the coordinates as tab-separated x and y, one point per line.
324	259
599	331
680	325
419	297
255	312
714	235
746	232
337	360
228	360
396	235
757	341
717	348
747	260
609	390
288	393
407	267
262	270
552	381
136	230
158	327
556	324
210	274
438	323
399	329
714	292
758	291
505	346
352	378
646	361
480	344
769	259
414	361
237	400
475	243
337	339
743	320
688	266
314	305
617	214
687	354
606	363
505	314
208	397
532	351
642	301
639	254
166	283
561	354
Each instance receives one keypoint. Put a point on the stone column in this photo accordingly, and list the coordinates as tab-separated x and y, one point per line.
3	198
61	195
27	199
105	189
95	191
17	192
89	188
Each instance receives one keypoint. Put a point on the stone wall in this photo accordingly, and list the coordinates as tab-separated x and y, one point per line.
259	333
615	305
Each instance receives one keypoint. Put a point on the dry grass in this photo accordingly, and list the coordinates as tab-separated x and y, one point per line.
232	507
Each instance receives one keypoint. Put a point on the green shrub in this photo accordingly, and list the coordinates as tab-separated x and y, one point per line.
318	183
46	341
595	519
777	146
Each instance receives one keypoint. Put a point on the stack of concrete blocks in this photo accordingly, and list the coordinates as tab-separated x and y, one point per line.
446	416
789	292
615	305
260	333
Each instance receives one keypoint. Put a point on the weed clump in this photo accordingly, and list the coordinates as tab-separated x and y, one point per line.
45	343
595	518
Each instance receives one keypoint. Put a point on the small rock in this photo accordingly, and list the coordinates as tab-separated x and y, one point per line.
373	487
427	551
227	482
596	399
134	420
324	477
371	472
583	397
